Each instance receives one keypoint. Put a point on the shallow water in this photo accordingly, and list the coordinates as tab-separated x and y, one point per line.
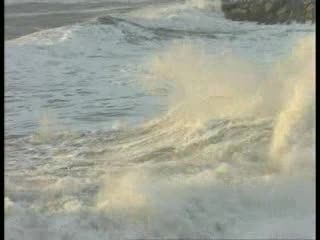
158	120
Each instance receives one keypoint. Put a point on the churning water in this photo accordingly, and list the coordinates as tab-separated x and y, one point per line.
160	121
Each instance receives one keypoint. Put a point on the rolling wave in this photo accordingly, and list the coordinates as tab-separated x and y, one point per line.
231	156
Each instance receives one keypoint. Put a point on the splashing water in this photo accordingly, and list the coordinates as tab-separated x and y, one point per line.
249	151
231	156
226	87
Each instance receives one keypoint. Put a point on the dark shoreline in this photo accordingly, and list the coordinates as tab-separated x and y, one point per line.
270	11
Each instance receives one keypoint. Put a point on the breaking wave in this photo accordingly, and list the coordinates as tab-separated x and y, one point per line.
233	156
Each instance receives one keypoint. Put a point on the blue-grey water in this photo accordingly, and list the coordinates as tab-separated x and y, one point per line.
156	120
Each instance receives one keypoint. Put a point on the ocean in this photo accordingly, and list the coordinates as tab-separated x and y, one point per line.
156	120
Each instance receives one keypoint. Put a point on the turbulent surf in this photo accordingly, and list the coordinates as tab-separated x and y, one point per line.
161	121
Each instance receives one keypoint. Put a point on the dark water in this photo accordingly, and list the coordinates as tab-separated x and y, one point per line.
29	17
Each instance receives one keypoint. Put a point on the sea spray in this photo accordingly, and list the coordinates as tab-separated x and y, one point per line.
205	4
295	123
207	166
205	87
210	167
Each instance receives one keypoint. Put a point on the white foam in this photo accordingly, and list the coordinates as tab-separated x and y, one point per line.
45	37
199	171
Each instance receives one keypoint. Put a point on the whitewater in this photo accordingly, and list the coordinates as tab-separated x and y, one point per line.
159	120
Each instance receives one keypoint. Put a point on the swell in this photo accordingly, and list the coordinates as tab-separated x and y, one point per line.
27	18
158	32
